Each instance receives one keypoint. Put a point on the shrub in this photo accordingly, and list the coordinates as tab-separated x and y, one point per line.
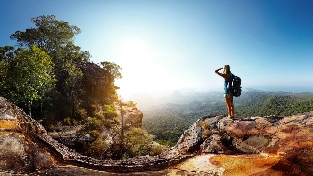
94	124
70	121
131	104
82	113
99	115
116	121
109	111
137	142
98	148
158	149
93	109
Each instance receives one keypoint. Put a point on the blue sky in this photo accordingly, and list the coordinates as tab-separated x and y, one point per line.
163	44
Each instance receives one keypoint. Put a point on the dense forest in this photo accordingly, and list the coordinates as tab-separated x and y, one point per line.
53	80
168	121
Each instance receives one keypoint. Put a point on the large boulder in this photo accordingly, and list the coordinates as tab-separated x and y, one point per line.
19	152
253	146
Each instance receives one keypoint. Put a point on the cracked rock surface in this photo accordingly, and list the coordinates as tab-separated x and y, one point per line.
213	145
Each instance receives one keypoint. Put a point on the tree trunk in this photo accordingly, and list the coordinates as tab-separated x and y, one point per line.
30	109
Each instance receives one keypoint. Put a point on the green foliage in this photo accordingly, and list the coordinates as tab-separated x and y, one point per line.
112	72
102	119
158	149
49	34
165	124
70	121
274	103
93	108
131	104
109	111
28	76
95	123
113	69
137	142
98	148
82	113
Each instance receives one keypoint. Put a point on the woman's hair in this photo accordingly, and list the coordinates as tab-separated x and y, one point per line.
226	69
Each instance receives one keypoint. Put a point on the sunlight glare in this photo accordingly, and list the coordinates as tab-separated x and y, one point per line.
141	70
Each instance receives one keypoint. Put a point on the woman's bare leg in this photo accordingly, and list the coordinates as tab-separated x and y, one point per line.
230	106
232	111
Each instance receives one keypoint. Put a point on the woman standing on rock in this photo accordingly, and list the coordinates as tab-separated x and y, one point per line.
227	75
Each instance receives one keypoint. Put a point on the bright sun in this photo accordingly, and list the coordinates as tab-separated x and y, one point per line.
141	70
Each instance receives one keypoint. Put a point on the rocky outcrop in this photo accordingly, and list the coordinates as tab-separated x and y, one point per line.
254	146
132	116
20	149
244	146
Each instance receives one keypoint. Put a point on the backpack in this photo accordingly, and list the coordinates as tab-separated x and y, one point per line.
235	86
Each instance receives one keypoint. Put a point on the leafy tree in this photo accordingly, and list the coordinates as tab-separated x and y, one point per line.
28	76
112	73
49	34
56	38
113	69
138	142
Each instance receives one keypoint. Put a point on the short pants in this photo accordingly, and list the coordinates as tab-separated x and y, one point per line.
227	95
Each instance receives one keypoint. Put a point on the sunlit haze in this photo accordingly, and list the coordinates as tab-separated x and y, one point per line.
167	45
